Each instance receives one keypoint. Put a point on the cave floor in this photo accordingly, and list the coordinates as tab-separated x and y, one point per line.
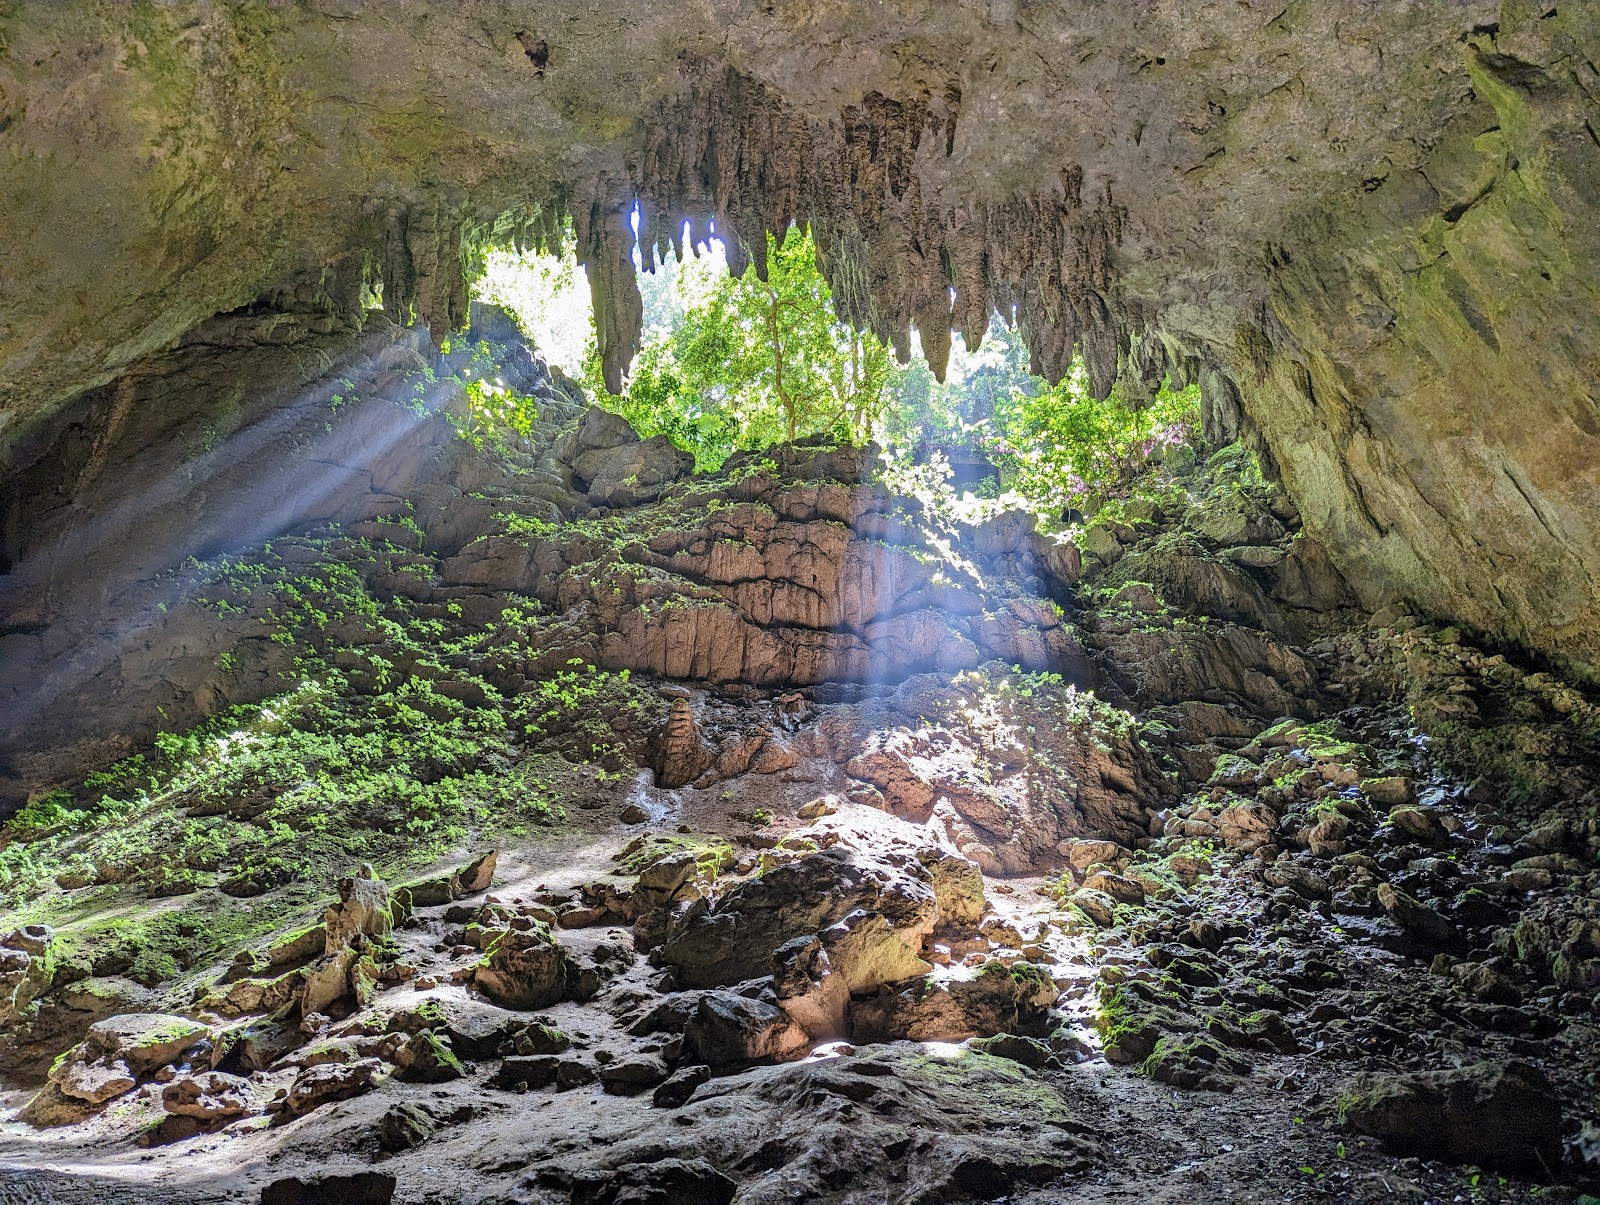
905	1120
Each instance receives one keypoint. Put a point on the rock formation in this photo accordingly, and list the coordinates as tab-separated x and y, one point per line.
838	849
1358	232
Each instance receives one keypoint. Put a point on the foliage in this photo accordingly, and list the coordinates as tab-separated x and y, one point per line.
549	298
386	746
729	363
1059	446
743	362
46	812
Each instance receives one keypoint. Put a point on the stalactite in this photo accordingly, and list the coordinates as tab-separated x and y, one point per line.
726	158
601	221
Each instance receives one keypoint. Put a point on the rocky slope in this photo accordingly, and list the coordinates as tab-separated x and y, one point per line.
540	821
1368	233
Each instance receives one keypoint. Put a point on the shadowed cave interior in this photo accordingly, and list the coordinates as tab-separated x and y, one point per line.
774	602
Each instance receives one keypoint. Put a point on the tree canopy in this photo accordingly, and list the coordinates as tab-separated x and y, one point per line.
739	362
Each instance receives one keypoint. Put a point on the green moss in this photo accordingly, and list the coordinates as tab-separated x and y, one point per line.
712	854
1006	1088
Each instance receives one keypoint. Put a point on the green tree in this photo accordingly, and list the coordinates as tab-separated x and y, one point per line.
1057	446
750	362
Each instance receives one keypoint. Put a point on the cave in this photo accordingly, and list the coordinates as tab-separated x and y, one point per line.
433	769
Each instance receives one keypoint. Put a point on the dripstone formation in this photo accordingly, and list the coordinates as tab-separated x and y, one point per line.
1369	234
397	807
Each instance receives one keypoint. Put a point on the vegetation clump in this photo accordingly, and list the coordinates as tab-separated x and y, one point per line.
731	363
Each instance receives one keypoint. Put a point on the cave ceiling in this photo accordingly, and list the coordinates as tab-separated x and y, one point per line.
1370	231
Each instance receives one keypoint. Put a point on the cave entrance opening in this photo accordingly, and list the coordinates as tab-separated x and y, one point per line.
747	362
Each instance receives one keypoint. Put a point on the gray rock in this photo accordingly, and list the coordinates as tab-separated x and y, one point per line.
997	999
1503	1115
529	968
730	1029
675	1091
633	1074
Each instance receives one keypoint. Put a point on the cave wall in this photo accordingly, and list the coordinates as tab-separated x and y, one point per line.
1368	230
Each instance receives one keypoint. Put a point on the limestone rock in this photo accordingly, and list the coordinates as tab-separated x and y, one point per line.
1097	905
528	968
1503	1115
634	1074
1417	918
675	1091
1390	791
732	939
328	1082
1246	826
478	874
119	1051
957	886
728	1028
212	1096
94	1083
995	999
633	473
427	1059
363	908
354	1188
144	1041
25	969
815	977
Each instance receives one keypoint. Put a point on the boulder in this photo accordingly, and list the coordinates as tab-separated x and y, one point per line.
1391	790
731	1029
144	1041
526	1071
328	1082
597	430
634	1074
1097	905
528	968
1230	520
957	886
1119	887
995	999
478	874
404	1126
1416	918
675	1091
1083	852
1303	881
1195	1061
119	1051
1060	558
356	1188
713	945
1493	1114
93	1083
660	1181
211	1096
427	1059
363	908
1246	827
